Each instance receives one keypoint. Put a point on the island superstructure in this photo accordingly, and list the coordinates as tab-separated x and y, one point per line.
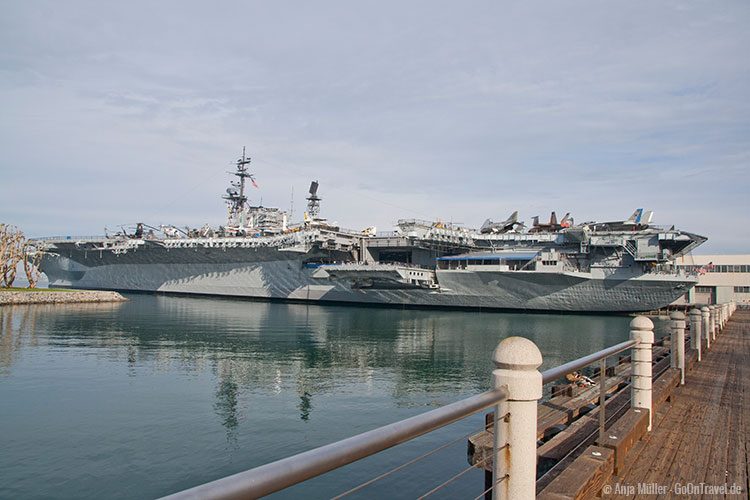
618	266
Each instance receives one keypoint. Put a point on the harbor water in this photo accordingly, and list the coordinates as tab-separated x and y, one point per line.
148	397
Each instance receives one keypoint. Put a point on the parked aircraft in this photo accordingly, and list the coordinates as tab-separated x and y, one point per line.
553	225
508	225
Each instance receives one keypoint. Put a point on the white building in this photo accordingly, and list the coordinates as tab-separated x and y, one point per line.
721	278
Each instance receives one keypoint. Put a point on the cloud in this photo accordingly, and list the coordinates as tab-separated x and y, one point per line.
121	112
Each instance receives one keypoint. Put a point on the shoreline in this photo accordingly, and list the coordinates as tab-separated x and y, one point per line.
43	296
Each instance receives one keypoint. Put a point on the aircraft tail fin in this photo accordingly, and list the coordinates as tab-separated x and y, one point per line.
636	217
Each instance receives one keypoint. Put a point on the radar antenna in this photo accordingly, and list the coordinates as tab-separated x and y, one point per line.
313	201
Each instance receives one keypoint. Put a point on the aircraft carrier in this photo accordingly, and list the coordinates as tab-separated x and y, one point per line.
619	266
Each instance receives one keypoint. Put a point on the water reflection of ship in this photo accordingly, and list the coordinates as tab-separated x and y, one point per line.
19	325
227	402
274	349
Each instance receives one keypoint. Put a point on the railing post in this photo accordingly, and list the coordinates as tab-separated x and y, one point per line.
726	314
695	330
678	330
706	317
642	331
514	460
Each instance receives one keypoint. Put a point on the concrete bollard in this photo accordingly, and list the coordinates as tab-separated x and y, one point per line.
717	325
695	331
714	322
517	361
706	317
672	343
693	343
726	314
642	331
678	331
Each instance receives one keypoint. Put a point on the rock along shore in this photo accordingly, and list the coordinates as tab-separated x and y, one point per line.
57	297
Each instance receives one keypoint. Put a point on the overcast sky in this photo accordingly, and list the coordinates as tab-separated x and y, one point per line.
117	112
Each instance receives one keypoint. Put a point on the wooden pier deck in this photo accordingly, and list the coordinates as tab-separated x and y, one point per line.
703	435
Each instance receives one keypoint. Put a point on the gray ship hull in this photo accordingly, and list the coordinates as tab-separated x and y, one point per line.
620	266
273	274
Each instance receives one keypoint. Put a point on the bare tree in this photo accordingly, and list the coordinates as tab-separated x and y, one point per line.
13	248
6	242
32	256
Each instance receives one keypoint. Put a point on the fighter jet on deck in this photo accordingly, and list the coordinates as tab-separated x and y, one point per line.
553	225
508	225
639	220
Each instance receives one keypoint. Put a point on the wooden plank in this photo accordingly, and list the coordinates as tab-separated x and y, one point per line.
738	459
559	411
663	388
557	453
703	435
562	444
641	447
667	440
715	472
685	412
623	435
584	478
564	410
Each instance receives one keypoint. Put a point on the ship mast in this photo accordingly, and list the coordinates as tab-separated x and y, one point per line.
236	199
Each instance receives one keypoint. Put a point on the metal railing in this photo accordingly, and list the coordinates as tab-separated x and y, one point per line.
386	234
70	238
516	385
289	471
577	364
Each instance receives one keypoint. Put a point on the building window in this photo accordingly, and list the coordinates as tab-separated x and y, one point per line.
726	268
723	268
742	289
704	289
